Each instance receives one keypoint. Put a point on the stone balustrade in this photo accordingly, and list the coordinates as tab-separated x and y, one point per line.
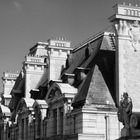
34	59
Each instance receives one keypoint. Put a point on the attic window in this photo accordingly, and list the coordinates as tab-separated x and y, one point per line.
80	75
45	60
67	61
86	52
68	78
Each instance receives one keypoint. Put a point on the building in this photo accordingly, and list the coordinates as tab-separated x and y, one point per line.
9	79
73	94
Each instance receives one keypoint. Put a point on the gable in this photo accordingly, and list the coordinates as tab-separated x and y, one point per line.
93	90
98	92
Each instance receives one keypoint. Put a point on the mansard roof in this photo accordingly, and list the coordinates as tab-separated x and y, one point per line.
103	41
99	85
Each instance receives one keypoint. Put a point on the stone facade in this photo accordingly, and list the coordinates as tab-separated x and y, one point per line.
126	23
9	79
73	94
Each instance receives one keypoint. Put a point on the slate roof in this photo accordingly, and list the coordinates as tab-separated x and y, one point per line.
103	41
99	85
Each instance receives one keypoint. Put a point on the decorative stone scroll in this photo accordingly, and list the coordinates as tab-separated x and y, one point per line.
134	33
130	29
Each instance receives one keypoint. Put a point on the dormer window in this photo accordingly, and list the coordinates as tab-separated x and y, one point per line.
86	52
80	75
68	78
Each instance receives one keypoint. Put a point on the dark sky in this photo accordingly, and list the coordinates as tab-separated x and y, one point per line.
25	22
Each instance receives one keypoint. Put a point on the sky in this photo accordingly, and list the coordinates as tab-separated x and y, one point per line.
25	22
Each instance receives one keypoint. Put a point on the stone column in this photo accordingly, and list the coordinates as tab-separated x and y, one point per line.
58	121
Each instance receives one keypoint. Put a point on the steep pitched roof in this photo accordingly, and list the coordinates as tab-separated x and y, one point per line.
78	55
94	90
103	41
99	85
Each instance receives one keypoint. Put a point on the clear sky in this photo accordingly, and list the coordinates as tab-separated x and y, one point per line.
25	22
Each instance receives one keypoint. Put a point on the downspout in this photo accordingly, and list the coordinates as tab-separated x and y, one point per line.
107	127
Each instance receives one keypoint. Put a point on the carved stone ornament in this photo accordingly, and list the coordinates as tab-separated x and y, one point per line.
134	33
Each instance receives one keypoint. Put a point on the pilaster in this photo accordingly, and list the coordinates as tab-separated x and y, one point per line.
58	121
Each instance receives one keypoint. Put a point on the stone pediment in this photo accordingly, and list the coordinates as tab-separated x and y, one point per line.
58	90
25	104
42	104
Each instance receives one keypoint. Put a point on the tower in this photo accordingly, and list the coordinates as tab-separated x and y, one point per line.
35	67
58	50
9	79
126	22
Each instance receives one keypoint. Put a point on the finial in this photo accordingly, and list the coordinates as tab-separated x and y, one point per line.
136	5
130	4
